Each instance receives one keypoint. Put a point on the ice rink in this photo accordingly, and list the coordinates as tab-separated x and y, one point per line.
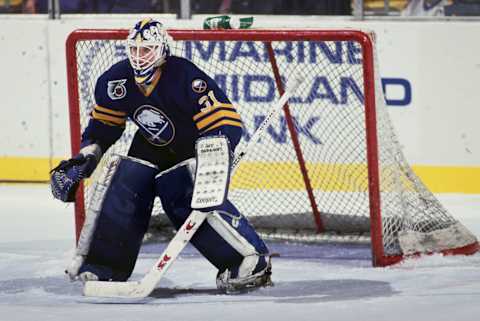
311	282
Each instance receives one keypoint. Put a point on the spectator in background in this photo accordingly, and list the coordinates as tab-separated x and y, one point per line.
317	7
285	7
209	6
103	6
425	8
463	8
248	6
17	6
113	6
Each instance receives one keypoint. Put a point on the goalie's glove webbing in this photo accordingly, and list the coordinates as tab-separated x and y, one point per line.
65	178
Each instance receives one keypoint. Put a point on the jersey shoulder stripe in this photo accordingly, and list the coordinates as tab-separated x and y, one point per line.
111	112
206	110
215	116
109	116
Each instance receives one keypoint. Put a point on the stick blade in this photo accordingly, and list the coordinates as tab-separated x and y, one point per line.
115	289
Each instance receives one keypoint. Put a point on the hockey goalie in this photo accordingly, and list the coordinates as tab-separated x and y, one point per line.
177	108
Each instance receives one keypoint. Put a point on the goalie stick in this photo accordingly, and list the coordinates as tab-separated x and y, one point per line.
145	286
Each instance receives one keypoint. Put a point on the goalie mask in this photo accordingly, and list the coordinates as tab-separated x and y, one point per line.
147	49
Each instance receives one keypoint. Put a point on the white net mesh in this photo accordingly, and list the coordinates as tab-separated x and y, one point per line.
328	117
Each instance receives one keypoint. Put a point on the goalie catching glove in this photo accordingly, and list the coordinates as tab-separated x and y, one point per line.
65	178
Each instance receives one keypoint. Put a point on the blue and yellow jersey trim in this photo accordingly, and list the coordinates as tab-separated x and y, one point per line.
216	117
147	90
215	114
109	116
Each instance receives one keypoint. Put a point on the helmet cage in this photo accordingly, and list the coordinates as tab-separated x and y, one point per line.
144	54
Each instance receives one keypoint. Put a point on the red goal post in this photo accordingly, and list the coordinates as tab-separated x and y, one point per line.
366	178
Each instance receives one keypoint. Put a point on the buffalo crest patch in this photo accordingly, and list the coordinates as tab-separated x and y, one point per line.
199	85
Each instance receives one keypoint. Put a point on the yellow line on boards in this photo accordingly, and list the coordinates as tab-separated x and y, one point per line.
282	175
450	179
28	169
352	177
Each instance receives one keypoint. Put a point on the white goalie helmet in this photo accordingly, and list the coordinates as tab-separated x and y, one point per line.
147	48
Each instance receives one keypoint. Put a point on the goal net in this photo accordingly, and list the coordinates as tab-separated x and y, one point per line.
329	167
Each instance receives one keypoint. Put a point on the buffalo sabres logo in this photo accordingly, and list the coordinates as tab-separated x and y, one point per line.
157	128
199	85
116	89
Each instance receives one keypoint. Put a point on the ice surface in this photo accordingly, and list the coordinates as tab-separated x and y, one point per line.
311	282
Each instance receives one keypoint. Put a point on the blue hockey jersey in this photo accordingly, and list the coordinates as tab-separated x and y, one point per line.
180	106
